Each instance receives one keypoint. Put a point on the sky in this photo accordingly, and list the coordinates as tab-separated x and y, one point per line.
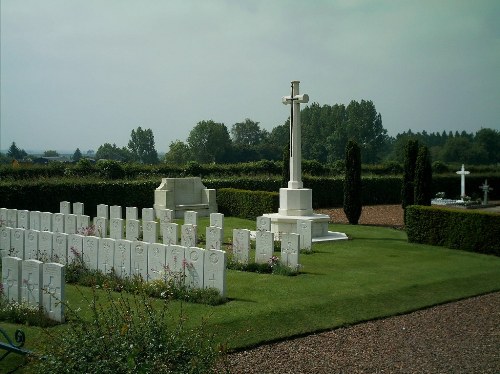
81	73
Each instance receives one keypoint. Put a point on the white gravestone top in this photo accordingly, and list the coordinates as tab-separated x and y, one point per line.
462	172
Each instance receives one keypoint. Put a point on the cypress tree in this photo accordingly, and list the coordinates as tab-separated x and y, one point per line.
410	160
423	177
352	183
285	172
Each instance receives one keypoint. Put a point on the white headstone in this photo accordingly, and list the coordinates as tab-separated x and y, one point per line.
131	213
78	209
35	220
165	215
58	222
214	272
304	229
17	243
46	221
60	248
106	259
189	235
148	214
115	211
241	245
139	259
263	223
3	217
70	223
5	235
116	228
11	278
83	225
176	263
12	218
194	265
90	252
264	246
75	248
65	207
157	260
122	257
217	220
31	289
290	244
103	211
45	239
133	229
170	233
213	237
150	231
23	219
31	244
191	217
101	227
53	290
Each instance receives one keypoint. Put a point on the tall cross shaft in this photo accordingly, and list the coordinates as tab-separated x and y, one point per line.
462	172
295	100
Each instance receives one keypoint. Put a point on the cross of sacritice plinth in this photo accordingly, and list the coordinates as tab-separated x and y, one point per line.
462	172
485	188
295	135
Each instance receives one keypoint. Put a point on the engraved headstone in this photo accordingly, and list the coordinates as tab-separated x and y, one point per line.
194	265
78	208
11	278
116	228
214	271
263	223
122	257
241	245
139	259
60	248
90	252
264	246
12	218
53	290
170	233
304	229
176	263
75	248
65	207
30	244
58	222
101	227
133	228
45	239
35	220
150	231
157	260
5	235
217	220
106	259
23	219
70	224
83	224
131	213
3	217
32	279
115	211
290	244
165	215
103	211
189	235
46	221
148	214
17	243
191	217
213	237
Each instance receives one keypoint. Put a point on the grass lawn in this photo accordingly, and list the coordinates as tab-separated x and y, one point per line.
376	274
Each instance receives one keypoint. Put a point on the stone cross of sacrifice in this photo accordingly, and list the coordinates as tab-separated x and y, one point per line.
485	188
462	172
294	100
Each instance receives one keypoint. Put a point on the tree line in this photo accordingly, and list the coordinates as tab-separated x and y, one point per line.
326	130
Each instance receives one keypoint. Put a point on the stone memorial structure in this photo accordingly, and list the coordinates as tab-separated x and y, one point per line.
486	189
290	245
214	275
122	257
264	246
31	288
241	245
462	172
53	283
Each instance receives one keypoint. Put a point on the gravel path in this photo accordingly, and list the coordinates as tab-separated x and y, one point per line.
459	337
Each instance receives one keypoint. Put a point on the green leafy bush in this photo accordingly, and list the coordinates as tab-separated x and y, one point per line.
246	204
467	230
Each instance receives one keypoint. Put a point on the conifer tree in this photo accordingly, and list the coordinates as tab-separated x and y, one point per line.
410	160
352	183
423	177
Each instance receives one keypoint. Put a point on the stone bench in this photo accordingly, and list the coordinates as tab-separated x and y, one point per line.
183	194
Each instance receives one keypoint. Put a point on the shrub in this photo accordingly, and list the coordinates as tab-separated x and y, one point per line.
110	169
127	335
352	183
246	204
410	159
423	178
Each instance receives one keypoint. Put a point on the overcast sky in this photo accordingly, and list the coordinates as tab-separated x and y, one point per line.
80	73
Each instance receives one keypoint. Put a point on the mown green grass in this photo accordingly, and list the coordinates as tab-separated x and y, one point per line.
375	274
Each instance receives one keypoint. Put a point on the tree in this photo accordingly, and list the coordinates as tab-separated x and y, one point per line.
178	153
423	177
490	140
50	153
77	155
112	152
15	152
410	159
285	171
142	146
247	133
209	141
352	183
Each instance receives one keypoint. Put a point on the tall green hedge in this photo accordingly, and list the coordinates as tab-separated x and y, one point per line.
246	204
468	230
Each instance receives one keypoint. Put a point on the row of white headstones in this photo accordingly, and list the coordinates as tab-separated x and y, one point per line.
197	267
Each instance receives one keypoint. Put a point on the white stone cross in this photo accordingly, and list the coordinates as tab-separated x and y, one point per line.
295	135
485	188
462	173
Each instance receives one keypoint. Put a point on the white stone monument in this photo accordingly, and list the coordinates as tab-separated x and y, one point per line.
122	257
170	233
264	246
486	189
462	172
31	289
157	260
295	200
53	290
194	265
214	271
90	252
290	244
12	278
241	245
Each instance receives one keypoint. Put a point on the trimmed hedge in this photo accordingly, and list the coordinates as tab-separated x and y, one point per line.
467	230
246	204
